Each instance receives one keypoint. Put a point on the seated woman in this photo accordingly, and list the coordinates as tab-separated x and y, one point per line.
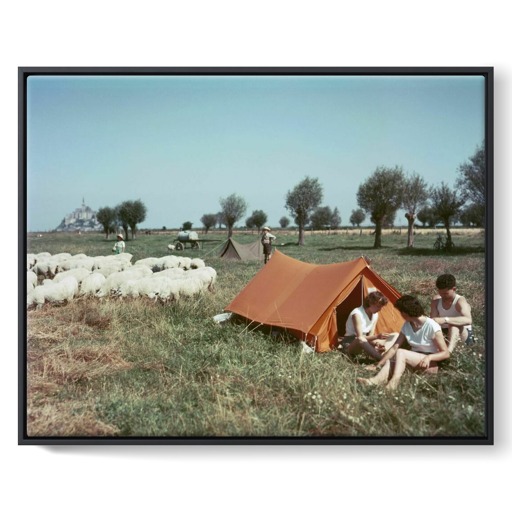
424	335
360	328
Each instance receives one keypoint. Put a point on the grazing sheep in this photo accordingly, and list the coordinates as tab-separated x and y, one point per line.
72	263
151	263
79	273
92	284
197	263
62	291
113	281
170	272
184	262
171	247
31	280
31	261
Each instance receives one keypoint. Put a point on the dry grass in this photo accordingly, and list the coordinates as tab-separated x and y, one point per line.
69	345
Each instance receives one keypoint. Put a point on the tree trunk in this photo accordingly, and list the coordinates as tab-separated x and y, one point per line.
410	229
448	234
378	235
301	235
230	231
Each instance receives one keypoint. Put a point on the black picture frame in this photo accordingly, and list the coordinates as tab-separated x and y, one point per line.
23	75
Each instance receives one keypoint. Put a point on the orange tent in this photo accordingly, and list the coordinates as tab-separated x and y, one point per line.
313	301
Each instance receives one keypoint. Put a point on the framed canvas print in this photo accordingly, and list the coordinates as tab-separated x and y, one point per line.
255	255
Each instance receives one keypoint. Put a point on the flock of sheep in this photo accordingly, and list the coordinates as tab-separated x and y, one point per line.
62	277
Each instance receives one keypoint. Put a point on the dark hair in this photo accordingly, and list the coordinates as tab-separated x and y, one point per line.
375	298
410	306
445	281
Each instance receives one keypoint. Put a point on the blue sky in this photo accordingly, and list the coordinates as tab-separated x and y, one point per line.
181	143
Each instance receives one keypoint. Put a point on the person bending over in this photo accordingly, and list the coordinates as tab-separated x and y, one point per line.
428	346
360	328
452	312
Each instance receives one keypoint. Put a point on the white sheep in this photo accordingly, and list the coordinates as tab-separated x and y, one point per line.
184	262
79	273
31	261
171	247
191	286
155	287
92	283
31	280
148	262
71	263
197	263
170	272
113	281
45	267
62	291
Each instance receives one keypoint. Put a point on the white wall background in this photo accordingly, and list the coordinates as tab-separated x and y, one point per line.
263	33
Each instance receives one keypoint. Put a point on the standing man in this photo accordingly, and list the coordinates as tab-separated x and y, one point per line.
266	240
452	312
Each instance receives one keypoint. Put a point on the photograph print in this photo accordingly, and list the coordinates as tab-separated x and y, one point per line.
255	255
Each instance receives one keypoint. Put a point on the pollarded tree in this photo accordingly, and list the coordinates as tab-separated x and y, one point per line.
357	217
335	218
426	216
130	214
321	218
284	222
472	215
233	209
414	198
249	223
259	219
381	196
107	217
208	220
302	200
446	204
472	180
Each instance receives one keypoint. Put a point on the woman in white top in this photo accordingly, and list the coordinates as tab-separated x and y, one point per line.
424	335
360	328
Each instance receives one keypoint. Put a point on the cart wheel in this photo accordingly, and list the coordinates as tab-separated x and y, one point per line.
195	245
179	246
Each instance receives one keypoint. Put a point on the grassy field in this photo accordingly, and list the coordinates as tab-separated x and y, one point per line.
136	368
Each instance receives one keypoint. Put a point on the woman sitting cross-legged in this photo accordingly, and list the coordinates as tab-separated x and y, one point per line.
425	337
360	329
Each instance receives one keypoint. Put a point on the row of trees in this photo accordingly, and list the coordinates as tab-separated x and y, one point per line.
385	192
125	215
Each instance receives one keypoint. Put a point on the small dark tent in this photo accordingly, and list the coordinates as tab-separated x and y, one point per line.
313	302
233	250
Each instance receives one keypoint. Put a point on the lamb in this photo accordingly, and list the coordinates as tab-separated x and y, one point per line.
171	247
62	291
92	284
